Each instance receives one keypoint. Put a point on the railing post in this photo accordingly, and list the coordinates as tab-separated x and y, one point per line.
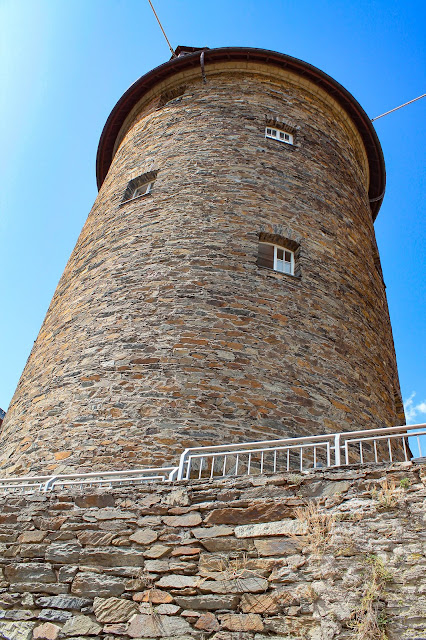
49	483
181	467
337	459
173	475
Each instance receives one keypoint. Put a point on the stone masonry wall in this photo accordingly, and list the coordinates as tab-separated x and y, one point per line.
285	557
164	333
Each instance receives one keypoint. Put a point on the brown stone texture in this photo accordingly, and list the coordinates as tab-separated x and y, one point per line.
307	585
164	333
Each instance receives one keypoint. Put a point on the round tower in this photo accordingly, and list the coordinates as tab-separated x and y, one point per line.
226	285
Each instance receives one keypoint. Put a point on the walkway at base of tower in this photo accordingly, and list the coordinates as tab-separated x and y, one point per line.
371	446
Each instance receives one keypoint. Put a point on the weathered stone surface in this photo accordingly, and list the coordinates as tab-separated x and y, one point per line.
282	528
227	544
192	519
259	512
63	553
16	630
155	596
240	585
185	551
207	622
32	536
267	603
144	536
242	622
208	602
113	609
309	587
148	626
167	609
67	574
30	572
81	625
157	551
38	587
212	532
54	615
93	584
21	614
111	557
178	582
119	629
275	547
46	631
95	538
63	602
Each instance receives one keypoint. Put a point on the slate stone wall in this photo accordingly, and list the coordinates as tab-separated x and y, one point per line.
287	557
164	333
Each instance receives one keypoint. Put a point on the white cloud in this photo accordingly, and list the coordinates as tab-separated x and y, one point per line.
412	410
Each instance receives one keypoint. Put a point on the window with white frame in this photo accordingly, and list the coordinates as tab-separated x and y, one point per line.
140	186
143	190
276	257
278	134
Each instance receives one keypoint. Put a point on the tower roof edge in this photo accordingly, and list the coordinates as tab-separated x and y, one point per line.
190	59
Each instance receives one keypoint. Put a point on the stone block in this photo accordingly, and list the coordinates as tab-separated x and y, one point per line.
263	603
30	572
81	626
208	602
242	622
54	615
63	553
63	602
112	557
144	536
149	626
16	630
275	547
46	631
94	584
113	609
32	536
207	622
155	596
192	519
286	527
212	532
178	582
156	551
95	538
242	585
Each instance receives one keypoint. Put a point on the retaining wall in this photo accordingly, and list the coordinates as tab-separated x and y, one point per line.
289	557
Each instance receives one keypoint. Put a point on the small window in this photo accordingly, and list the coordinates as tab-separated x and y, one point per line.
277	134
143	190
140	186
279	254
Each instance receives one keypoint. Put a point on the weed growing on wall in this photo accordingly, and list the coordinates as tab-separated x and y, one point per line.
369	619
319	525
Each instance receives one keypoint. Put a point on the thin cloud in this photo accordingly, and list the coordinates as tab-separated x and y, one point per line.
414	411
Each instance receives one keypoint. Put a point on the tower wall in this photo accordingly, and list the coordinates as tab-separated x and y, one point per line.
164	333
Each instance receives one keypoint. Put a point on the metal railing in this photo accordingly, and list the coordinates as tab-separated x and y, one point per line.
390	444
29	484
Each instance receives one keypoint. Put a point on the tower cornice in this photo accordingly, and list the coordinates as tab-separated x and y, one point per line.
345	99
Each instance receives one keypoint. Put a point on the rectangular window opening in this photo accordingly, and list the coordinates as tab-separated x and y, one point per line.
277	134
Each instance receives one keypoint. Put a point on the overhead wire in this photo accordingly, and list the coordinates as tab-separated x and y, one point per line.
161	27
400	107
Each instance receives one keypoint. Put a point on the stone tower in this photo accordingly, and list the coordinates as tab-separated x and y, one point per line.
226	285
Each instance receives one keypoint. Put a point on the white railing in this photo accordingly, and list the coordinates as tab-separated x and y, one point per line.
29	484
391	444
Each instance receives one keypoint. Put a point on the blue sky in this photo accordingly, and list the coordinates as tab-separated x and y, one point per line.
65	63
